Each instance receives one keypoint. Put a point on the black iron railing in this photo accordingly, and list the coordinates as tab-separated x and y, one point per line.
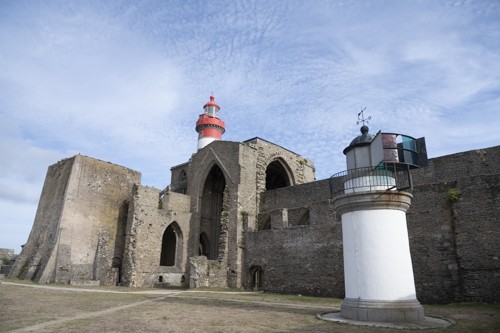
385	177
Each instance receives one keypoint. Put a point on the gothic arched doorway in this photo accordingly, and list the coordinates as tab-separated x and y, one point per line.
171	245
211	210
257	274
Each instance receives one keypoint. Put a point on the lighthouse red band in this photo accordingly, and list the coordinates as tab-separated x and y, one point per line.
209	126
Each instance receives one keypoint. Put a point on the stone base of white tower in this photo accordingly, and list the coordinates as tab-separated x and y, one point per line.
379	284
382	311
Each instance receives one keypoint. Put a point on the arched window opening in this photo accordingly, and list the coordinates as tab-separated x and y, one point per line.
276	176
211	212
168	247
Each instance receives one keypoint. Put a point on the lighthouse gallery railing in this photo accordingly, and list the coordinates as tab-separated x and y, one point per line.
386	176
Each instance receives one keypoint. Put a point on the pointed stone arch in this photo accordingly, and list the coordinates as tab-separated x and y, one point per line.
278	175
211	211
171	245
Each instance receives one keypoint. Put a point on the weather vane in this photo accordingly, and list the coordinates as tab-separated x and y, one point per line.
361	117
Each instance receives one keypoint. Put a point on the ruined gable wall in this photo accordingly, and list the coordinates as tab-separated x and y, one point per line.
244	167
225	155
301	169
148	218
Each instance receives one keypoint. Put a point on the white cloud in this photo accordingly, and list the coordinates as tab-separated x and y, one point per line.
124	82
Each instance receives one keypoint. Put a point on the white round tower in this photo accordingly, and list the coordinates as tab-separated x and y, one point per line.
379	284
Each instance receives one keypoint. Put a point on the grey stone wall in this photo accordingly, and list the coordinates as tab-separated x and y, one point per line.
96	224
454	243
302	252
244	168
38	250
148	218
78	229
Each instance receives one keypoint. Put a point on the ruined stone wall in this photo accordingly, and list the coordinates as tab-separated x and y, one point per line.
302	252
300	169
38	254
244	168
454	227
78	230
148	218
179	178
225	154
454	243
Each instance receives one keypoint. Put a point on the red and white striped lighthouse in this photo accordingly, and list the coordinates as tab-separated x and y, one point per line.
209	126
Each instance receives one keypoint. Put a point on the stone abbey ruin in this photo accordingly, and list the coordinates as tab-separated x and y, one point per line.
251	215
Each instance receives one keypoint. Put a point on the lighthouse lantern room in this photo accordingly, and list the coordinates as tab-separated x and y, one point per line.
209	126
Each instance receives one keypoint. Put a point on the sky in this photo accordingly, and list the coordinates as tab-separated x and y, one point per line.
124	82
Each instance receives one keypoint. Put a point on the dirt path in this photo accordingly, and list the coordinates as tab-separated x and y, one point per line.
141	292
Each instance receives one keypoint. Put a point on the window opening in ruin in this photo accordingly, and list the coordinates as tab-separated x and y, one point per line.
276	176
160	279
171	245
183	176
211	211
266	225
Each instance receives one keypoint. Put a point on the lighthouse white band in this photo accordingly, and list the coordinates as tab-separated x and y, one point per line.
205	141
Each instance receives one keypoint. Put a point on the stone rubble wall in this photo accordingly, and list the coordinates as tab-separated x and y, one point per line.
148	218
38	252
95	224
244	168
454	244
78	228
298	258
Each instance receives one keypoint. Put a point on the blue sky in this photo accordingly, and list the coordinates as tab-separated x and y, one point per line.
124	81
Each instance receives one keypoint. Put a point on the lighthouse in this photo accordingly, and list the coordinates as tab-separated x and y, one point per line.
209	126
372	201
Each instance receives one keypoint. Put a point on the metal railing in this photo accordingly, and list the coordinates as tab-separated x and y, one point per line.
385	177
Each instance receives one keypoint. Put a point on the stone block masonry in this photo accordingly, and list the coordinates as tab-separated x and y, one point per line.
149	217
453	226
78	228
250	215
